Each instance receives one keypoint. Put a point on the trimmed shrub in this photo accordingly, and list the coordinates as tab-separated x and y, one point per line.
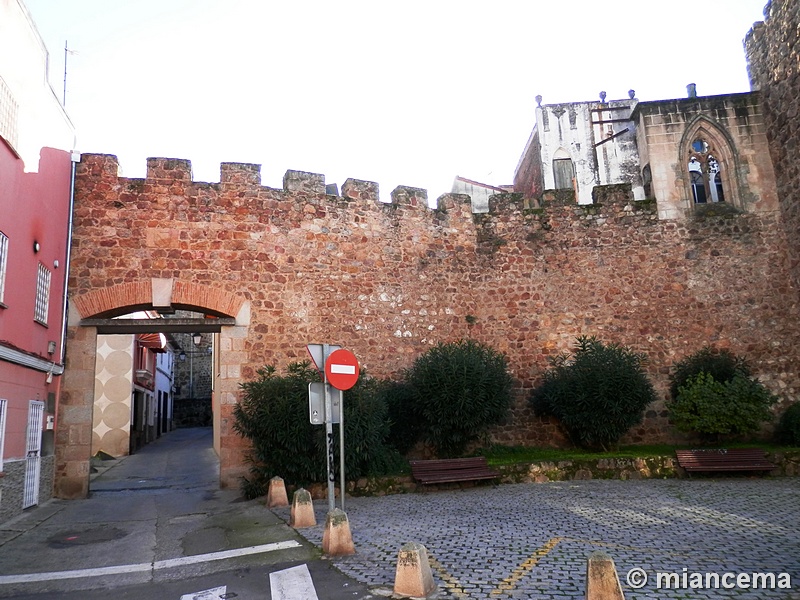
714	395
597	394
458	391
715	408
405	425
722	365
273	415
368	450
788	431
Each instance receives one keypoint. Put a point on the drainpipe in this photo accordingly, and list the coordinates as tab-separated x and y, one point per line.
75	157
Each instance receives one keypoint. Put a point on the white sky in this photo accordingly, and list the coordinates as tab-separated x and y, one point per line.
402	93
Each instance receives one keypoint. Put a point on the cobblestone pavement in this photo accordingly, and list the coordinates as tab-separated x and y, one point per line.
532	540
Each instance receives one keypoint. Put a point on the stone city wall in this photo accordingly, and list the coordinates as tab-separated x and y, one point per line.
773	56
389	280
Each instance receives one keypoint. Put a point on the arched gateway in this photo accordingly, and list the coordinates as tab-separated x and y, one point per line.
91	313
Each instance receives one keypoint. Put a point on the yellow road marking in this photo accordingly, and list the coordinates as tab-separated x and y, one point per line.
452	584
455	587
510	582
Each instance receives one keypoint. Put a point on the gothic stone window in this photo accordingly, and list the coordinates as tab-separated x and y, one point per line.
704	170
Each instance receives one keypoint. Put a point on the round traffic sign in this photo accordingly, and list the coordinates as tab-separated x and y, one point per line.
341	369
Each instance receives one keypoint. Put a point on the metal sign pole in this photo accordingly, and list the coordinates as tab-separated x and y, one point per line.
341	447
328	433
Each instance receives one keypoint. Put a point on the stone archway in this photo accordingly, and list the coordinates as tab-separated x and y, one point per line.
91	312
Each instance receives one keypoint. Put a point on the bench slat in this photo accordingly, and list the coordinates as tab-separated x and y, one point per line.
735	459
449	470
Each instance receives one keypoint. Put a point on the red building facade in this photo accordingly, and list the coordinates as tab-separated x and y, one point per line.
36	138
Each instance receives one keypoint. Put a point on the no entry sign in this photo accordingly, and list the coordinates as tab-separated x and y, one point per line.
342	369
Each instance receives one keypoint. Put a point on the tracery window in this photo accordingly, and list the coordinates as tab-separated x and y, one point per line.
704	170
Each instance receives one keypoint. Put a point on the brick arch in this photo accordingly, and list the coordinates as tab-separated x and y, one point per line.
75	409
149	293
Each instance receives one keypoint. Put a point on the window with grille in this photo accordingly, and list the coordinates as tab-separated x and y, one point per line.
3	262
9	115
3	404
42	295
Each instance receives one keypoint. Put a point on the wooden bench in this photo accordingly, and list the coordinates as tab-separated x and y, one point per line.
734	459
449	470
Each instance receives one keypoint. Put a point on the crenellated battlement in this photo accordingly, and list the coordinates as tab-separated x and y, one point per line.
241	183
171	211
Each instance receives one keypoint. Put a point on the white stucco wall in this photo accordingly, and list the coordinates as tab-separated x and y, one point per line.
568	130
163	383
479	194
30	112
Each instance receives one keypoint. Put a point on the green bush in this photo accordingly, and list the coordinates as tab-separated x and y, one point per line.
368	450
722	365
405	426
598	394
273	415
715	408
788	431
458	390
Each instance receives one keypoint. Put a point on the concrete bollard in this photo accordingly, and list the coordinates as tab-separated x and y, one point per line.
602	582
336	539
276	496
302	510
413	577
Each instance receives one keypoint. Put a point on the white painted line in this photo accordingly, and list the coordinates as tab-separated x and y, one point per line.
343	369
143	567
201	558
212	594
54	575
292	584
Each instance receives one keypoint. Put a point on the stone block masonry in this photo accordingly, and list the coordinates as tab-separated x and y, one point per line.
773	57
389	280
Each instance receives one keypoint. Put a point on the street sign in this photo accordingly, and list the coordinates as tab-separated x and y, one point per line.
341	369
316	403
318	355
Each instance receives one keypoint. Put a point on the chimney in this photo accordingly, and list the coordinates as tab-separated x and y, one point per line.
691	90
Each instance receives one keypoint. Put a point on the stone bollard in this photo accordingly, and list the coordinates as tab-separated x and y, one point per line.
277	493
336	539
413	577
602	582
302	510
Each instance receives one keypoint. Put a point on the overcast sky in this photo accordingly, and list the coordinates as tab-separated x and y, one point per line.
402	93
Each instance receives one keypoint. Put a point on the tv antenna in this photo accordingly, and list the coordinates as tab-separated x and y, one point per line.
67	52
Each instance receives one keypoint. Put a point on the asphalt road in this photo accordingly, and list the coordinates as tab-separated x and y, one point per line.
156	525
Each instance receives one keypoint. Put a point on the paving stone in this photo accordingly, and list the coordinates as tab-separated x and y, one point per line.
482	539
